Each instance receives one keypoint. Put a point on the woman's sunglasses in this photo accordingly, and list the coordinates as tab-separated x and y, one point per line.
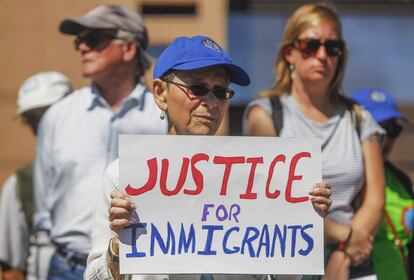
311	46
201	90
95	39
392	128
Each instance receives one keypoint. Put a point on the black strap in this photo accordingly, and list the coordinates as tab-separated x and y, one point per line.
277	113
71	257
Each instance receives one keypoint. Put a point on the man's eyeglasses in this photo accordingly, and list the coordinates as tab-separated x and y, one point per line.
311	46
95	39
392	128
201	90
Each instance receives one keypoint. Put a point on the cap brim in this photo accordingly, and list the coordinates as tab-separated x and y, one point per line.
403	118
73	26
20	112
237	74
390	115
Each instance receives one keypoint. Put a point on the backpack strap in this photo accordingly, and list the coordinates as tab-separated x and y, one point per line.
24	190
277	113
357	118
356	113
397	240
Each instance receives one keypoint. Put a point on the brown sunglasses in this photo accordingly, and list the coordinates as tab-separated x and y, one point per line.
311	46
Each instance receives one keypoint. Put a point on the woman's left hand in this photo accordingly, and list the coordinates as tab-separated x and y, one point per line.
359	246
320	196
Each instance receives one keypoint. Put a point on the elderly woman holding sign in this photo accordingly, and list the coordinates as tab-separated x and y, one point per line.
191	87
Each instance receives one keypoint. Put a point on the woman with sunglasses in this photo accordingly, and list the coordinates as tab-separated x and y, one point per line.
309	70
393	252
191	87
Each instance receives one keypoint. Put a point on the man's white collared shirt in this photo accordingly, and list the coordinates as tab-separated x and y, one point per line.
77	139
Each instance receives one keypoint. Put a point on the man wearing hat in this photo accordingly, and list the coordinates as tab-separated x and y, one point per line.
22	251
393	244
79	137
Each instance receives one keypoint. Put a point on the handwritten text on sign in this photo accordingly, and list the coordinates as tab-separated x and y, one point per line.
210	204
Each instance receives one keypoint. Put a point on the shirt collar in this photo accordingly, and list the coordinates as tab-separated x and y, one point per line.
135	99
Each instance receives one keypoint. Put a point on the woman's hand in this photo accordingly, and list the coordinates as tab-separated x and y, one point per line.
120	215
121	211
320	196
359	245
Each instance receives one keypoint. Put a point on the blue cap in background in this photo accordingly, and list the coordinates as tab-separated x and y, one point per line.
197	52
379	103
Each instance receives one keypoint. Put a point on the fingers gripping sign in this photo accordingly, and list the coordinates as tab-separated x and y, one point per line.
120	211
320	196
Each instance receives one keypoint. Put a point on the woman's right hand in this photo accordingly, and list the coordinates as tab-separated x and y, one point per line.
120	215
359	246
120	212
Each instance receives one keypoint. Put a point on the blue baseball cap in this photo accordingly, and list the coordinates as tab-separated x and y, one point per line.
379	103
194	53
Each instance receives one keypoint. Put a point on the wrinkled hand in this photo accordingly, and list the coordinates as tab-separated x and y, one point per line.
121	211
320	196
359	246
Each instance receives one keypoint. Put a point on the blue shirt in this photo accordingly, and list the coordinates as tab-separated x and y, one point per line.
77	139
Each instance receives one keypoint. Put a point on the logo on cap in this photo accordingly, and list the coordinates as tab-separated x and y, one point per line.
407	218
30	85
212	45
377	96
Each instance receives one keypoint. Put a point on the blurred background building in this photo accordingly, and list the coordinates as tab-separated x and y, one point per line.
379	34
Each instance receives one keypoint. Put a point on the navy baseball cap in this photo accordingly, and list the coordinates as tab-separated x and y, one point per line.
197	52
379	103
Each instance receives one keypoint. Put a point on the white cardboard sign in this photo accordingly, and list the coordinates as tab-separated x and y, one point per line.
221	205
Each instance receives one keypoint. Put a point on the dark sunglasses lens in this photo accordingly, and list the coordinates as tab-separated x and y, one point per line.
222	93
312	46
334	47
198	90
91	39
219	92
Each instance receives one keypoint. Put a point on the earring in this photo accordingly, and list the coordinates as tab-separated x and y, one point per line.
162	116
292	71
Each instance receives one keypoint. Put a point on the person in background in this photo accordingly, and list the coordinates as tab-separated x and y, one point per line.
306	101
78	137
24	253
191	86
393	244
